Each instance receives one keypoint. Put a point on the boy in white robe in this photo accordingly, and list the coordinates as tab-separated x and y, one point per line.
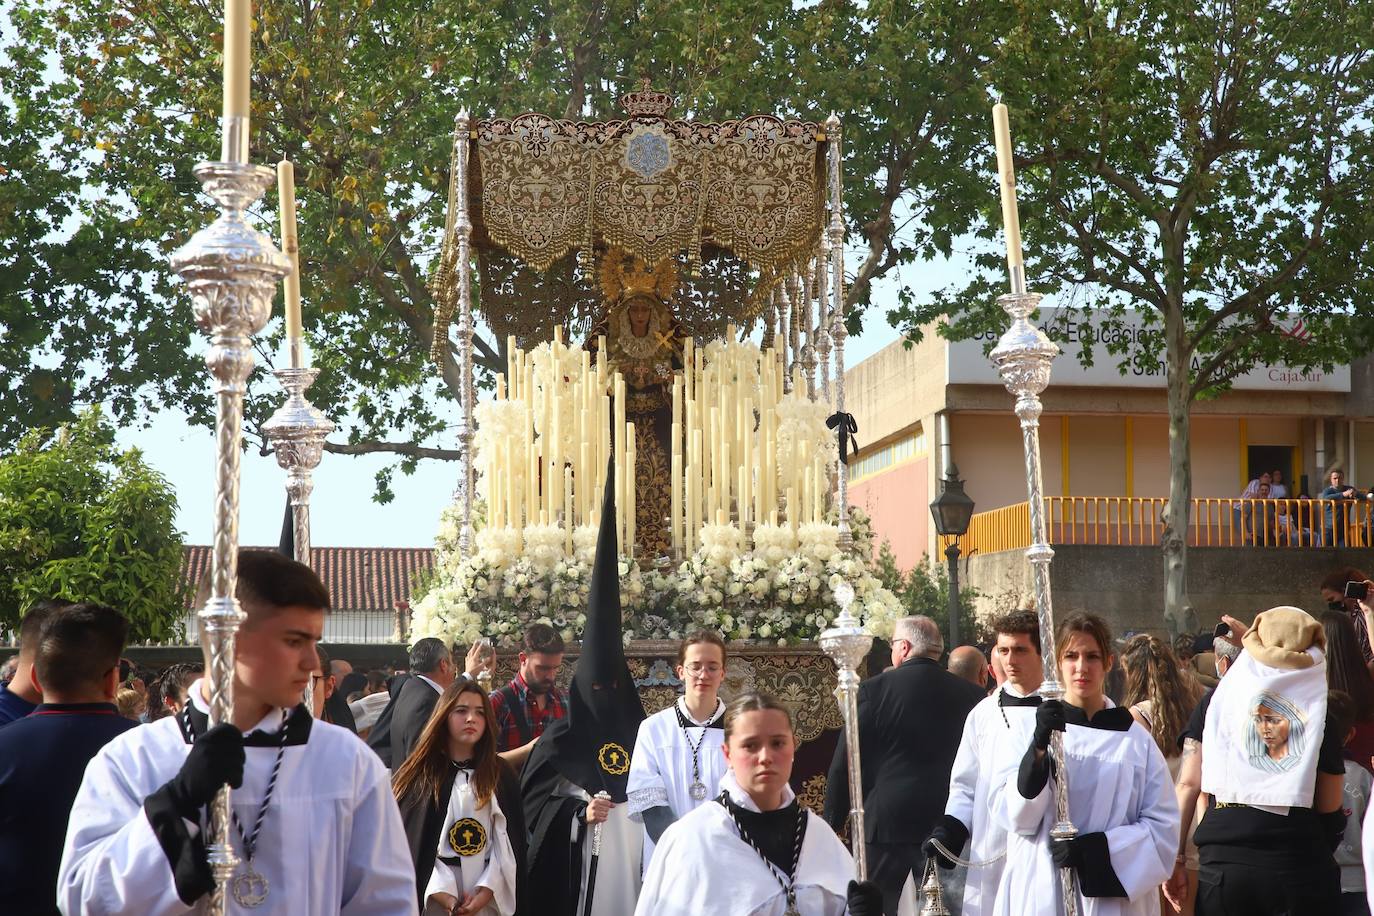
317	829
678	761
993	740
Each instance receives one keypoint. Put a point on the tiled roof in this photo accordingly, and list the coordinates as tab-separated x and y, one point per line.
358	578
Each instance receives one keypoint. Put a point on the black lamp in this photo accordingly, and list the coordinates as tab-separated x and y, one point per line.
952	511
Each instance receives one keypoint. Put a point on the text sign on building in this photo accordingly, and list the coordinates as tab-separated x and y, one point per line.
1076	330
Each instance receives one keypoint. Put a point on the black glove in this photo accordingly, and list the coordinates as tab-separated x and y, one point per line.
952	834
216	760
1066	853
864	899
1049	718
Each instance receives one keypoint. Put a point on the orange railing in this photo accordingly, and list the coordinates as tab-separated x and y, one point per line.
1139	521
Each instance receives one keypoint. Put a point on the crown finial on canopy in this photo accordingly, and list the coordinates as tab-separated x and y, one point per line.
646	102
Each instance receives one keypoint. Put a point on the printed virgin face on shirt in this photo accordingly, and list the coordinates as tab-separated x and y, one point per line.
702	668
1083	666
539	669
275	654
759	752
1273	731
1020	661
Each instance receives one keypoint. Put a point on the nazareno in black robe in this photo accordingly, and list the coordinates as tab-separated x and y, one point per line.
424	819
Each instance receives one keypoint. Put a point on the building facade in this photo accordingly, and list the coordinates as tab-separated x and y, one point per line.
1104	431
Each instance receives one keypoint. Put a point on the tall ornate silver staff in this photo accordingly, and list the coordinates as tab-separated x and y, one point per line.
231	270
1024	357
847	643
297	430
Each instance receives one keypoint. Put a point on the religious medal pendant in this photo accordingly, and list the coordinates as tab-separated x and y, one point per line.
697	790
249	887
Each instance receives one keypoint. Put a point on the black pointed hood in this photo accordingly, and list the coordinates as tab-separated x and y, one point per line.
592	744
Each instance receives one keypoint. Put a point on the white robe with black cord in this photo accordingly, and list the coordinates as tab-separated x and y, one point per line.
702	865
332	841
1119	785
991	744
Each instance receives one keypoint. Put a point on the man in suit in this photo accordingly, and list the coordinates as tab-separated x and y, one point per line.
400	724
911	718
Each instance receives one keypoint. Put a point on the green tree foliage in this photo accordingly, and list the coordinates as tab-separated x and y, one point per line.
924	589
84	521
1206	164
114	102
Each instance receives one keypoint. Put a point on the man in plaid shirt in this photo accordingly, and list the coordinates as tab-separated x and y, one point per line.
531	700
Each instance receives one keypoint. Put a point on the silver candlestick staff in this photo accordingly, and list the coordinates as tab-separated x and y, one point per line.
232	271
297	432
1024	357
847	643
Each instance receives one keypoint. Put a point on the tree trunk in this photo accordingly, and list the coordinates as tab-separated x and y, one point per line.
1178	615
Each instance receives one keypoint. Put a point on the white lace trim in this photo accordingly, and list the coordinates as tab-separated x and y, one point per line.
641	800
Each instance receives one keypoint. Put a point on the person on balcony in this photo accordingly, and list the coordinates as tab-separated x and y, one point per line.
1337	514
1244	509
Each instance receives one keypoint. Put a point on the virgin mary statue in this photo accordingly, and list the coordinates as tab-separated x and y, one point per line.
644	344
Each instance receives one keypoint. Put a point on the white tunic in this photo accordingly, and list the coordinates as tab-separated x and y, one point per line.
617	870
661	768
991	744
703	866
477	854
1118	784
332	840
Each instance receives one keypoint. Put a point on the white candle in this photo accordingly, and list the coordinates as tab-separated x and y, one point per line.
1006	182
291	289
237	57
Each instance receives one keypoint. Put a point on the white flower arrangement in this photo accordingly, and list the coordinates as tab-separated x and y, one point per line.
721	544
496	422
781	590
773	543
550	373
819	541
544	546
801	422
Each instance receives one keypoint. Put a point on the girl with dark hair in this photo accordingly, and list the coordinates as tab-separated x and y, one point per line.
461	809
754	849
1346	672
1121	798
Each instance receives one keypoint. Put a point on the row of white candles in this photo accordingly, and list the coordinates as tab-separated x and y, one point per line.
723	450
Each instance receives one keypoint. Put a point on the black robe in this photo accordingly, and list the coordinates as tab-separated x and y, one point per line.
553	853
424	819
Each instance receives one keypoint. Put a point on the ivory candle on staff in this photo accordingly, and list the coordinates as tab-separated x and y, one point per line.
1006	183
675	489
237	67
291	289
792	508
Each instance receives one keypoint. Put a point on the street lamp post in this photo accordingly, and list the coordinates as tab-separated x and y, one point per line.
952	511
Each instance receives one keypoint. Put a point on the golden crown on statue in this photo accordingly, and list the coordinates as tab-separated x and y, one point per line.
646	102
625	276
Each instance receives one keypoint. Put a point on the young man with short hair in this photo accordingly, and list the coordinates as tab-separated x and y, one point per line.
991	745
315	828
21	695
526	706
43	755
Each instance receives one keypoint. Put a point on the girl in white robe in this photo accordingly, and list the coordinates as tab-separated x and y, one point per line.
465	862
1121	798
738	854
678	762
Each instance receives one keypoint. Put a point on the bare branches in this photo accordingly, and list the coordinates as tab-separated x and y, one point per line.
405	449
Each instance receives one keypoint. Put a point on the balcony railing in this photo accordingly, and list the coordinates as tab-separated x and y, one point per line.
1126	521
